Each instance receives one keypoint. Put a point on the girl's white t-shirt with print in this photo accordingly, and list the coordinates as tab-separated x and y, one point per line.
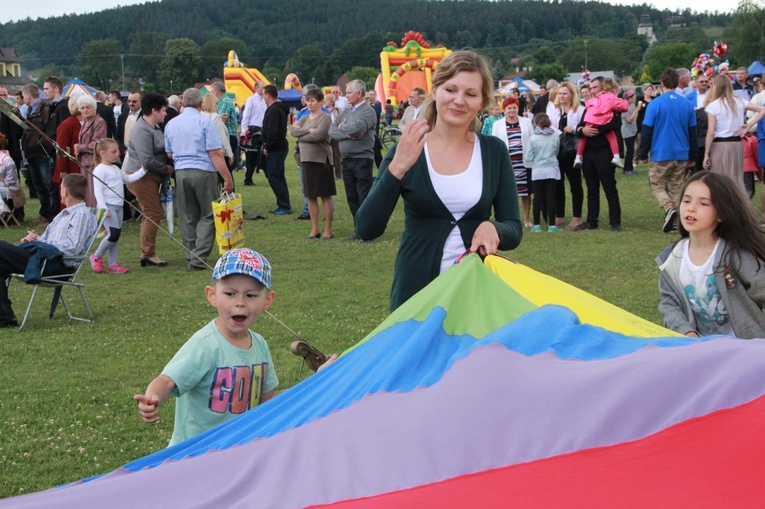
701	290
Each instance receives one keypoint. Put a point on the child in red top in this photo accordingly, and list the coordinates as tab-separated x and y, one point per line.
751	167
600	111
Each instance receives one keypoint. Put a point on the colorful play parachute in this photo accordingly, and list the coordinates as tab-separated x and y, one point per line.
476	395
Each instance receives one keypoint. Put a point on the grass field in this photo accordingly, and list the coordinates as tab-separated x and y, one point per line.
66	408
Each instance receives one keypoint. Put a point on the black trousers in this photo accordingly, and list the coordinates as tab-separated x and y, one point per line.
544	200
357	177
234	141
598	171
699	160
629	154
277	180
252	161
13	260
574	177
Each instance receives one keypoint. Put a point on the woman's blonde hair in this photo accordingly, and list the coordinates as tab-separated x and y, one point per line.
74	108
722	89
574	95
457	62
552	94
210	103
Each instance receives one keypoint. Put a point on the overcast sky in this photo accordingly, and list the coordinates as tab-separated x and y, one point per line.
15	10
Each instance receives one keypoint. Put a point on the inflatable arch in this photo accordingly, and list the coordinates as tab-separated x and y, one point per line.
410	66
292	81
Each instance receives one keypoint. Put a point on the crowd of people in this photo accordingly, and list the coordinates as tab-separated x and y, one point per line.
467	186
714	127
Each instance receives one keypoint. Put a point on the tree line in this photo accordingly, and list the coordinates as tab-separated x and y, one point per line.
174	43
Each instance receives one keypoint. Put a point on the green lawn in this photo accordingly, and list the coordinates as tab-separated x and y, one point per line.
66	409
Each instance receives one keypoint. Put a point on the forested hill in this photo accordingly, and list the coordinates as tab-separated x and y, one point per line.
284	26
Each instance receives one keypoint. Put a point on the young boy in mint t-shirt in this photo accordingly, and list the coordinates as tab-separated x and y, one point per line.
225	369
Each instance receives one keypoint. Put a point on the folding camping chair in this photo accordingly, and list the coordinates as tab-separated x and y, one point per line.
8	217
5	213
59	281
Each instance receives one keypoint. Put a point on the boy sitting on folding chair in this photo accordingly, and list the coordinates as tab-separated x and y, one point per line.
67	235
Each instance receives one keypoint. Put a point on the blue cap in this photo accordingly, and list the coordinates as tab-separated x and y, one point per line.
243	261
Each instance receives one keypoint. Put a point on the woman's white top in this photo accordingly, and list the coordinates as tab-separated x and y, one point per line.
727	122
572	118
459	193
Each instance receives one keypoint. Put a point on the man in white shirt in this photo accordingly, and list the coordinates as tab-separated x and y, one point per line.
684	86
118	107
415	110
758	98
126	121
341	102
252	122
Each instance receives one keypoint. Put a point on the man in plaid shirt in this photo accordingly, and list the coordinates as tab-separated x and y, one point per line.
227	112
67	235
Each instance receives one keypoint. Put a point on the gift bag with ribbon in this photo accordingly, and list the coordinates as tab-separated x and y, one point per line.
227	212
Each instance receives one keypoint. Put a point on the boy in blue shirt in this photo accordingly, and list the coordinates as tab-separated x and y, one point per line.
225	369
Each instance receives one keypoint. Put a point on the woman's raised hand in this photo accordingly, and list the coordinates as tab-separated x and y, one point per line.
409	148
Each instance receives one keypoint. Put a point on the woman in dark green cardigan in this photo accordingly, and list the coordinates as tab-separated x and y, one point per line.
450	179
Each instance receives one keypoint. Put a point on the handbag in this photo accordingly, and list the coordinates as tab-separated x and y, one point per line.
567	147
18	197
227	215
251	139
568	141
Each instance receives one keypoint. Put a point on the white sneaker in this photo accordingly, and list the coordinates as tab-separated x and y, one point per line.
617	161
577	162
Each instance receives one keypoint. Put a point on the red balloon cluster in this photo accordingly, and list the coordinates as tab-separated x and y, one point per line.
720	48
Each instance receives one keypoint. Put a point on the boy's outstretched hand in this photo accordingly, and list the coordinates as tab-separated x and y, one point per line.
148	407
156	393
332	358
